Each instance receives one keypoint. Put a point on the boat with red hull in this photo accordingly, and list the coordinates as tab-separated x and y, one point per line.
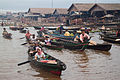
51	64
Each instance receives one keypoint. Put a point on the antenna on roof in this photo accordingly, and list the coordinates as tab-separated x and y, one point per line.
52	3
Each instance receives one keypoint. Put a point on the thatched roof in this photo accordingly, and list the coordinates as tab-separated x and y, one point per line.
61	10
41	10
82	6
110	6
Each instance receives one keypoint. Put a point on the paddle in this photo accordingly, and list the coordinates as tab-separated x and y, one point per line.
23	63
22	37
83	48
23	43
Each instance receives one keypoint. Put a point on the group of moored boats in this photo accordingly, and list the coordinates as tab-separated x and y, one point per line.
59	42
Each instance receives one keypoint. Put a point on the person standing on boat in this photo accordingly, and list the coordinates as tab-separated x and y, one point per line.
27	35
84	36
39	55
61	28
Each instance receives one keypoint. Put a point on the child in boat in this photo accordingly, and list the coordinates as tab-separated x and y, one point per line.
84	36
39	55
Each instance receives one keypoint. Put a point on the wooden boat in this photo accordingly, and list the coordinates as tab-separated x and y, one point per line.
23	31
51	46
20	28
71	45
61	36
111	38
51	64
7	36
37	27
103	47
13	28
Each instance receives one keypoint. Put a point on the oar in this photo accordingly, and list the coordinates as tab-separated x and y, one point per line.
24	63
22	37
23	43
54	38
83	47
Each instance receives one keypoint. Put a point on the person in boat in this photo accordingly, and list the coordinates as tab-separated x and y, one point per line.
86	31
61	28
118	33
5	31
77	36
67	33
42	28
2	24
40	54
47	40
33	38
84	36
27	35
34	48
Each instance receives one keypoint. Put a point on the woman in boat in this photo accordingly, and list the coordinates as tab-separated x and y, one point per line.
67	33
5	31
84	36
27	35
39	55
47	40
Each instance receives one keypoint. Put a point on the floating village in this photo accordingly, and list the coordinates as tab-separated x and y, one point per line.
80	42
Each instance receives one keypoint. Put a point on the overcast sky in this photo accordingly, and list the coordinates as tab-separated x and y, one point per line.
26	4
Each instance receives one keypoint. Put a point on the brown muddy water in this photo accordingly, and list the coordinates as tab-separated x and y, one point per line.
87	65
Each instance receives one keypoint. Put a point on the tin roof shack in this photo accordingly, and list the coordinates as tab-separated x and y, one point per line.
79	10
60	15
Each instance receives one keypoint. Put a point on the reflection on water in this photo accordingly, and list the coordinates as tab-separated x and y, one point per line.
44	74
86	65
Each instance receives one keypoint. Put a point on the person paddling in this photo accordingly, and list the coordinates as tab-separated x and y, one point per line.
27	35
84	36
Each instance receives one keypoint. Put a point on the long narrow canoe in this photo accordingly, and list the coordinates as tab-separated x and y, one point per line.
111	38
51	64
102	47
71	45
23	31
